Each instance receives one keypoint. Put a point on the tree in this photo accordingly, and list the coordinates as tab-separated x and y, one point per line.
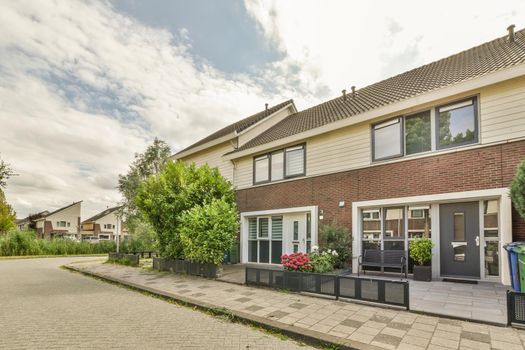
5	173
207	231
7	215
163	199
517	190
151	162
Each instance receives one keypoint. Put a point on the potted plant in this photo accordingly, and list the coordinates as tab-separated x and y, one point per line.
421	252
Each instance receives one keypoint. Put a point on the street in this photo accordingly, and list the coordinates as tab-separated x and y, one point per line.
43	306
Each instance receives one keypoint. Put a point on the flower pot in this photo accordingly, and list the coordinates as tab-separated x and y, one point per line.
422	273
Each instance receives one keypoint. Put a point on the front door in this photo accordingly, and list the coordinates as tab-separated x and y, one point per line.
297	232
459	239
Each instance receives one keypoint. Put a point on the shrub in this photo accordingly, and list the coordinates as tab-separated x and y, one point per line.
296	262
163	199
19	243
207	231
517	190
421	250
335	237
323	260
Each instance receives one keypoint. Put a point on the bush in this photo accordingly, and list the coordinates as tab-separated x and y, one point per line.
296	262
323	260
421	250
335	237
207	231
163	199
21	243
517	190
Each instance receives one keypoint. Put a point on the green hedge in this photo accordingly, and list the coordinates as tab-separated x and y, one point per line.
18	243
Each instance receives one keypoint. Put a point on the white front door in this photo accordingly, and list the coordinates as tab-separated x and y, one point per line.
296	233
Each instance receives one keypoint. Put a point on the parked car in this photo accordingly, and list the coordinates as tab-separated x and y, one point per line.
90	239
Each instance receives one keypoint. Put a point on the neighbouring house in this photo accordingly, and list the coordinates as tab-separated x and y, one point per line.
105	225
63	222
426	153
29	223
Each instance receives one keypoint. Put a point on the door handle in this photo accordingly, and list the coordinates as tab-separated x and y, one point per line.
477	241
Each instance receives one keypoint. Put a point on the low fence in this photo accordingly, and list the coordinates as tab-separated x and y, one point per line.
131	259
516	308
144	255
186	267
395	293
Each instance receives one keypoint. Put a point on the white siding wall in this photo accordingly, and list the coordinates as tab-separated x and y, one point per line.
70	215
502	111
264	125
338	150
213	157
502	117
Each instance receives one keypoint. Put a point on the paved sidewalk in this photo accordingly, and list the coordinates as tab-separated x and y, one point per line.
354	325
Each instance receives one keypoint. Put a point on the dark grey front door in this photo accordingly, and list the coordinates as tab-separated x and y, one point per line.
459	239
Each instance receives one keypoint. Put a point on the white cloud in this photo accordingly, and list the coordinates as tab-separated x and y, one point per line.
82	88
340	43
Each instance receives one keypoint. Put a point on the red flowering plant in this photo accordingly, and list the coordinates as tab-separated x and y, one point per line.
296	262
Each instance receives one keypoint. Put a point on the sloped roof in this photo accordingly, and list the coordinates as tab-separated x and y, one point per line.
102	214
239	125
472	63
58	210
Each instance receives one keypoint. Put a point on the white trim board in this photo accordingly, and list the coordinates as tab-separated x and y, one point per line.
313	210
505	217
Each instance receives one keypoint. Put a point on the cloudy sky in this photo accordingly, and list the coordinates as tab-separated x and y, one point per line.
86	84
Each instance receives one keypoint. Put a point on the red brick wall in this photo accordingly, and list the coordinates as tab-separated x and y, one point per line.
482	168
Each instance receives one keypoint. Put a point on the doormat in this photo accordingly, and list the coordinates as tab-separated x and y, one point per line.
454	280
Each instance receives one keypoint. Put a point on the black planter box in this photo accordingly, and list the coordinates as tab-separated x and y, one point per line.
422	273
187	267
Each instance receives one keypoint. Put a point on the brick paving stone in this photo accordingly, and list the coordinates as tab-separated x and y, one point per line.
45	307
359	323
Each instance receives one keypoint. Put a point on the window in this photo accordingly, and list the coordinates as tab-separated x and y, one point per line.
308	232
457	124
451	125
262	169
371	229
295	161
61	224
459	226
387	139
265	239
279	165
418	133
491	237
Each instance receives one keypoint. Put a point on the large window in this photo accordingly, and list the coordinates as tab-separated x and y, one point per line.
384	228
387	139
265	239
446	126
418	133
457	124
279	165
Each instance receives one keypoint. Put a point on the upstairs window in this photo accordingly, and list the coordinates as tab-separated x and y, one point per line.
295	161
279	165
262	169
447	126
418	134
387	139
457	124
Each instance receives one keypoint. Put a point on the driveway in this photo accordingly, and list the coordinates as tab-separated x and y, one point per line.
44	306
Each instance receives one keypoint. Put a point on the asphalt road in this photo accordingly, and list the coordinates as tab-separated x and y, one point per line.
45	307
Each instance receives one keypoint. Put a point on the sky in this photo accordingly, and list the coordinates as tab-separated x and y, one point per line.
84	85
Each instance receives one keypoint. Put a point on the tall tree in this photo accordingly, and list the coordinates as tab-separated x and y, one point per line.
517	190
151	162
5	173
7	215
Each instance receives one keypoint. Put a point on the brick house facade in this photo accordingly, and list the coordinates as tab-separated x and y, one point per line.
462	170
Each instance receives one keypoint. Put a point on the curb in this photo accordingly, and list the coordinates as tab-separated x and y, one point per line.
310	337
